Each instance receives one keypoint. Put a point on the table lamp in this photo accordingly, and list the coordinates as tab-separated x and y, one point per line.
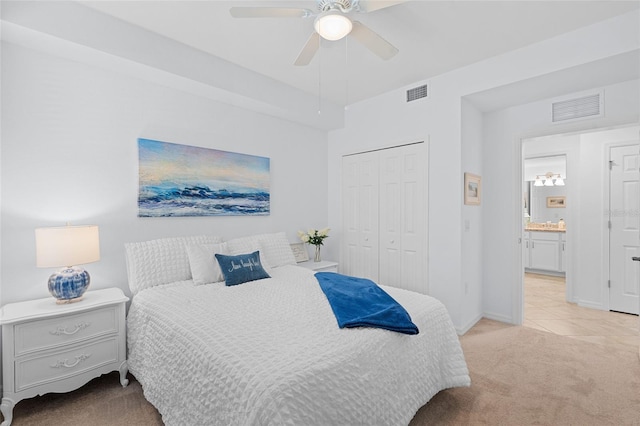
67	247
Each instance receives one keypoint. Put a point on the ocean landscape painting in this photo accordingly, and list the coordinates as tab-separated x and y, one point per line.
181	180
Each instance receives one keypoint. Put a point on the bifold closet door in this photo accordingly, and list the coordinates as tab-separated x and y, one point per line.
402	217
384	202
360	215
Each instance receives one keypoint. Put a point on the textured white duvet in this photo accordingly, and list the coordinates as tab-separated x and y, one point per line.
270	352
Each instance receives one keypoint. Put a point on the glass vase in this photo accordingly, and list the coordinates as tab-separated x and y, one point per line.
317	256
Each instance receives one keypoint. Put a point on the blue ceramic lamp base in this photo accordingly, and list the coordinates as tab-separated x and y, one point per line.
69	284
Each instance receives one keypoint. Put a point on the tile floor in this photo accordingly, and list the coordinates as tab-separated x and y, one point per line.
545	309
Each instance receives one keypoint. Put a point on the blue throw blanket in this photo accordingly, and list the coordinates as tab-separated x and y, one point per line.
359	302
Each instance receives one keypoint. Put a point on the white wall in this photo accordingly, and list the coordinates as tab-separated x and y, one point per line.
69	153
387	120
472	235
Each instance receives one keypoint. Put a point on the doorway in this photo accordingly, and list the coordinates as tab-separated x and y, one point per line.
546	223
591	250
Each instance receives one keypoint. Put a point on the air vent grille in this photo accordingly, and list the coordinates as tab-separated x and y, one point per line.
572	109
417	93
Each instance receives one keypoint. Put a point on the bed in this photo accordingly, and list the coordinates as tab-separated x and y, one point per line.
269	351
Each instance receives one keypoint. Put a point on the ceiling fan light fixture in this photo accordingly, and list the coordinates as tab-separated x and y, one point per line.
333	25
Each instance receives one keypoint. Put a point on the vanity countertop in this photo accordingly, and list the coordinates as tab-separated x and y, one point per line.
541	229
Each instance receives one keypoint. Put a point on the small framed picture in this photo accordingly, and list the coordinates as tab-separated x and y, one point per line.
557	202
300	252
472	189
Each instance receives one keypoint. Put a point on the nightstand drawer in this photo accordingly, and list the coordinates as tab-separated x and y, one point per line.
45	334
52	367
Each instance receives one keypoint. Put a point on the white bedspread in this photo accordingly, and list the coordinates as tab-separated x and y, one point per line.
270	352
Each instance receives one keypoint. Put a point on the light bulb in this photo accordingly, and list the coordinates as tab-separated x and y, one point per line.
333	25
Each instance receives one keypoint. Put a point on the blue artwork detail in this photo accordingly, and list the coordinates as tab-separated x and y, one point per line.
182	180
69	283
156	201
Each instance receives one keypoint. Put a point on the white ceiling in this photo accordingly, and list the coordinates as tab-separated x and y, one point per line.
433	37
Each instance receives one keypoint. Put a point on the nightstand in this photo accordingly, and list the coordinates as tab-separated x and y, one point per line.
49	347
322	266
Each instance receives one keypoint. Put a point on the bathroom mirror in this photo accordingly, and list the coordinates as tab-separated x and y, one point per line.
545	189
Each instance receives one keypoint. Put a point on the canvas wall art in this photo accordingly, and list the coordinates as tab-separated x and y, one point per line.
181	180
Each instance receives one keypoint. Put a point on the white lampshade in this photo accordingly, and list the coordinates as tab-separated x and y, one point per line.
333	25
67	246
538	181
559	181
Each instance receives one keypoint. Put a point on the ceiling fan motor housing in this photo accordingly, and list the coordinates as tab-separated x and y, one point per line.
342	5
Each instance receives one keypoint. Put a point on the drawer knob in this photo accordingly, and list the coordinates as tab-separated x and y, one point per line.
66	364
63	330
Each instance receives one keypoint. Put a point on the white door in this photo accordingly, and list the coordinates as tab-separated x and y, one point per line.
624	235
360	215
403	196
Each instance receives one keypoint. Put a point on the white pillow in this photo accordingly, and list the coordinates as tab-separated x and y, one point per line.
275	249
245	245
204	266
161	261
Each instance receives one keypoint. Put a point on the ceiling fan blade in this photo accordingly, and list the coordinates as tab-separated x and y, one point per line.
373	41
309	50
371	5
269	12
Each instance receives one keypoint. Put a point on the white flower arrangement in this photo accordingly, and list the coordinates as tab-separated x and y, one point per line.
314	236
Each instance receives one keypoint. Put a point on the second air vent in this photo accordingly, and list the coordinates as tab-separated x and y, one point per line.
587	106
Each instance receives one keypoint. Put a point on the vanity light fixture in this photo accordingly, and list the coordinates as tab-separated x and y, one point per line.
549	180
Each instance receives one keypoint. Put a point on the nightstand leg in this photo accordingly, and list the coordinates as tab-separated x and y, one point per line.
7	411
124	368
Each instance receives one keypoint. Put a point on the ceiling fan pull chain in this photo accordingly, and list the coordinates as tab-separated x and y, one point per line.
346	72
320	76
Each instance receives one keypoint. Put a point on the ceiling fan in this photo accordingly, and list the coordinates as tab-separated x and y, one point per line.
331	23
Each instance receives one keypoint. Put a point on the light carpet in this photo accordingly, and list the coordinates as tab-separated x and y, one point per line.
521	376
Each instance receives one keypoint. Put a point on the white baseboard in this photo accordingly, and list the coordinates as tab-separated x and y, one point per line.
591	305
468	326
498	317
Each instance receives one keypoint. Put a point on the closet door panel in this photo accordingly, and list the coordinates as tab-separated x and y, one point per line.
414	220
390	217
385	216
368	216
350	225
360	215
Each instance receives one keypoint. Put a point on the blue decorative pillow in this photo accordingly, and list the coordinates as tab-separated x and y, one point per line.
241	268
